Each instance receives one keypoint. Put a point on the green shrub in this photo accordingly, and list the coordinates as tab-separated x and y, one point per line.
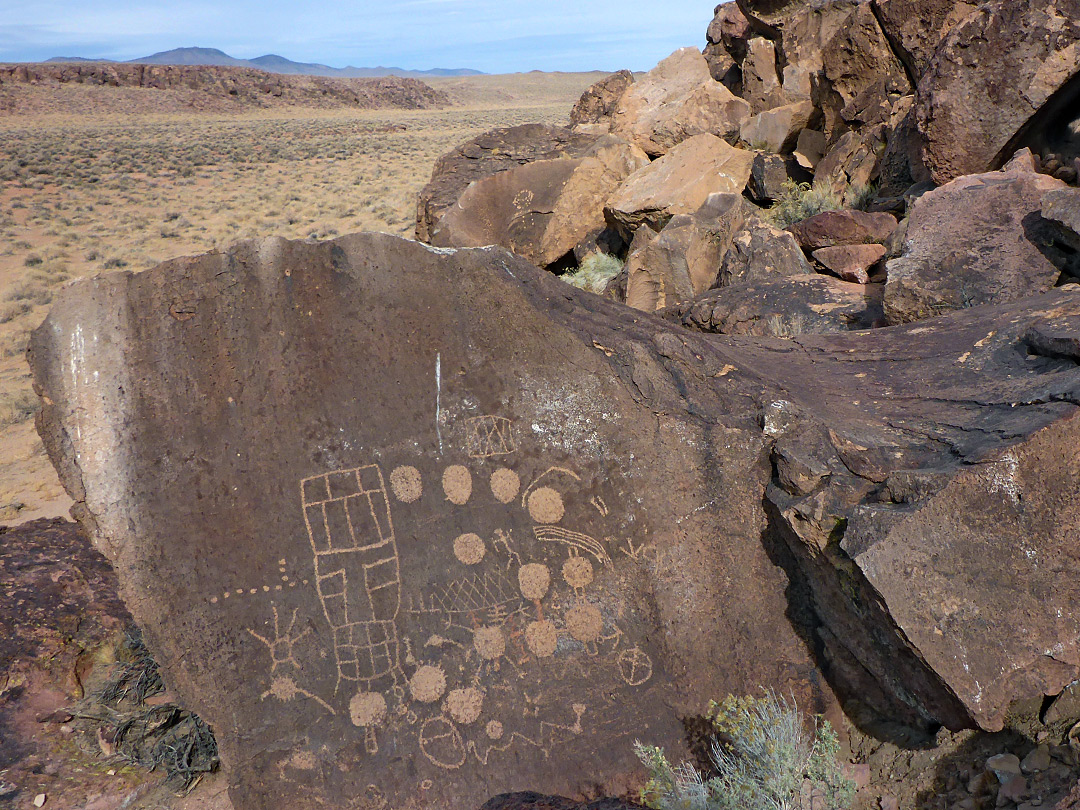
763	758
594	273
799	201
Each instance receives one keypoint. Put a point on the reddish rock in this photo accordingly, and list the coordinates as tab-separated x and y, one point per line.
851	262
847	227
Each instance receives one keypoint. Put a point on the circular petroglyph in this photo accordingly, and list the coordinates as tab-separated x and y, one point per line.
542	638
367	709
490	643
405	481
284	689
442	744
427	684
505	485
578	572
465	705
457	484
585	623
469	549
635	666
546	505
494	730
534	580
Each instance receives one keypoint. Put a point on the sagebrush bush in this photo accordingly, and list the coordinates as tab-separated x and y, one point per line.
594	273
764	758
799	201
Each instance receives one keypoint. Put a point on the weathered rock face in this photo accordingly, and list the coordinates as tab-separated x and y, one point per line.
684	259
976	240
917	27
760	81
851	262
678	183
415	585
541	210
769	173
487	154
989	78
783	307
1061	208
599	102
677	100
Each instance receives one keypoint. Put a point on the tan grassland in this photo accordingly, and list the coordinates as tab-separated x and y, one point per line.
84	191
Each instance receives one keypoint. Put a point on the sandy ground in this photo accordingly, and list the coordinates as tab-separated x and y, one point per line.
83	192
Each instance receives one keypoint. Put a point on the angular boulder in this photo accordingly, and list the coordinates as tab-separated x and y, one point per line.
1061	208
761	252
777	129
760	81
769	173
462	558
541	210
847	227
989	79
598	103
487	154
677	100
678	183
977	240
782	307
850	262
684	259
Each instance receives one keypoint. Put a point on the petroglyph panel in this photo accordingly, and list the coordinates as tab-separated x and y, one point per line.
471	624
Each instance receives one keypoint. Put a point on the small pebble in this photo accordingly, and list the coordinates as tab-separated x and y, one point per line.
39	800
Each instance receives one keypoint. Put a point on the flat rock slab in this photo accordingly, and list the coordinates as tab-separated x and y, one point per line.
422	526
851	262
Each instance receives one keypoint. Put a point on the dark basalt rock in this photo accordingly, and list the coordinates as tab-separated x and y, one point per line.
421	526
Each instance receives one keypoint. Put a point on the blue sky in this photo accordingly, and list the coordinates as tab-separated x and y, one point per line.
496	36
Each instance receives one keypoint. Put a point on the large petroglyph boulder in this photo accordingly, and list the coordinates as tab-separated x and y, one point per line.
989	79
419	526
541	210
917	27
487	154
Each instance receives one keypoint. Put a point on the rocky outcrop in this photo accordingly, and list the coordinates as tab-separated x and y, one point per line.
977	240
598	103
677	100
593	477
678	183
244	86
541	210
487	154
989	79
783	307
917	27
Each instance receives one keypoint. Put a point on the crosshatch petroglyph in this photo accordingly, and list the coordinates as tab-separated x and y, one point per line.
464	653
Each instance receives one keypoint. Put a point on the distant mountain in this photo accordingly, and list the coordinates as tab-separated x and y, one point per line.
273	63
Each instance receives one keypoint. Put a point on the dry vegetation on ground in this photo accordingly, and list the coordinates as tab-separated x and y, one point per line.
85	194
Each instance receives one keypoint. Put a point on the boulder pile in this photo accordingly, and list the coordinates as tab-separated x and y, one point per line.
412	524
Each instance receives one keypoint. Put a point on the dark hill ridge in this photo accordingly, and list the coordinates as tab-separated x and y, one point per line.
247	87
272	63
